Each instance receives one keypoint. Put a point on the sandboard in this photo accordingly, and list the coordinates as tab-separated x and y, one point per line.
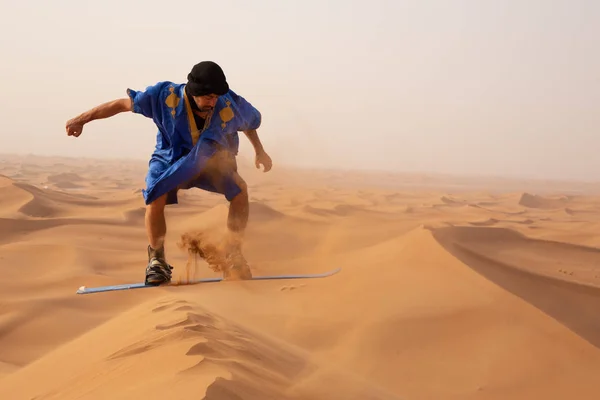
142	285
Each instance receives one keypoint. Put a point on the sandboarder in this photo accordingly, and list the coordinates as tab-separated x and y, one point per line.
196	146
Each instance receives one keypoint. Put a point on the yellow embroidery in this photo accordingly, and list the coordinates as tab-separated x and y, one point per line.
226	114
172	101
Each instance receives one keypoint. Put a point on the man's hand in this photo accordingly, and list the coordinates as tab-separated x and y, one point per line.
74	127
263	158
261	155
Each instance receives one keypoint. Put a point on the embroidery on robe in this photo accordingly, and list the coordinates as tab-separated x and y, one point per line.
172	101
226	114
194	131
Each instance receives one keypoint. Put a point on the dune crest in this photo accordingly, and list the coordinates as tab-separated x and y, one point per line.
200	353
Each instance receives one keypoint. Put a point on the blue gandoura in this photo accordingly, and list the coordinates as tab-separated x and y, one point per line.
196	147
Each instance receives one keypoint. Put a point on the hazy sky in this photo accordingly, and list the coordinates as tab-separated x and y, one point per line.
483	86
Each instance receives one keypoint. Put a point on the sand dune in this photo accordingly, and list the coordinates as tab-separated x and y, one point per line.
450	288
536	201
66	180
12	197
560	279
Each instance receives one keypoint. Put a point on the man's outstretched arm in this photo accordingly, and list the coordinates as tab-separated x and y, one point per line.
106	110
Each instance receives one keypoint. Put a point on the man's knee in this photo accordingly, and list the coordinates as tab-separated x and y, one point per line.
241	183
158	204
242	194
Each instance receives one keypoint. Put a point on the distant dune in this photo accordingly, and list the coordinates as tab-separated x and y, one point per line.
535	201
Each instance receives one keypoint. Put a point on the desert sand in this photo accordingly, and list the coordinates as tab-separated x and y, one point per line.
450	288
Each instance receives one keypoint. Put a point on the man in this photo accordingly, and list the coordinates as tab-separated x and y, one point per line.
196	145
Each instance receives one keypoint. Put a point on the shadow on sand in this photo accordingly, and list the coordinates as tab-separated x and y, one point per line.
574	305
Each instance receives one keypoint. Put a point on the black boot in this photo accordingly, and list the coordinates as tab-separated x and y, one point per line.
157	271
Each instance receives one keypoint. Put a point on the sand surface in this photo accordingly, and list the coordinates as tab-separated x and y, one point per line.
451	288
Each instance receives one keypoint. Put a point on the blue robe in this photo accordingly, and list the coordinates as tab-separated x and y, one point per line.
182	148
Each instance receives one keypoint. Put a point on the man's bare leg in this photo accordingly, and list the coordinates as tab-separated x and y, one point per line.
156	224
237	220
158	270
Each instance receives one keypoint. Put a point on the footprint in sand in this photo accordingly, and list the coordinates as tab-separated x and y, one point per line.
291	287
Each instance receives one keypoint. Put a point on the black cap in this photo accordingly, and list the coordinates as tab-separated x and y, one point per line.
205	78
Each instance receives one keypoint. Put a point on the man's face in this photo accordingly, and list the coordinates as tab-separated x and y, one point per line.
207	102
